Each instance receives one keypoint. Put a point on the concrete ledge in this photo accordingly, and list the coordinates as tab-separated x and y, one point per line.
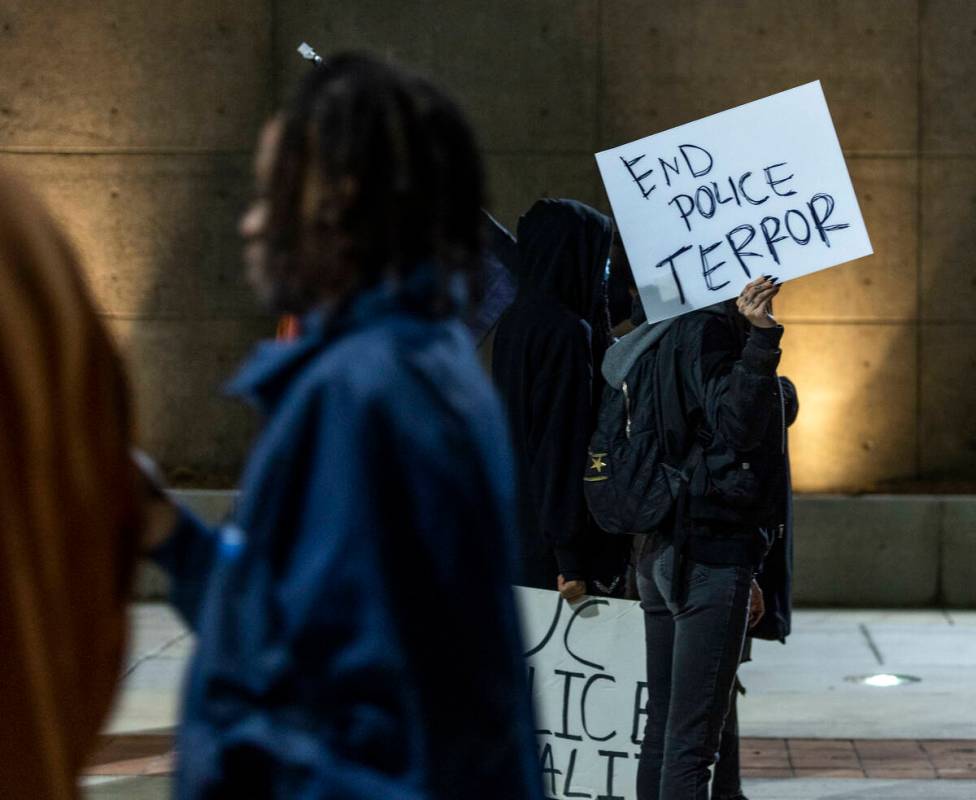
959	553
211	505
886	550
867	551
873	551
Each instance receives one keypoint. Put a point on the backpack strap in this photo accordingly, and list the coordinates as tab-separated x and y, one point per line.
668	373
680	533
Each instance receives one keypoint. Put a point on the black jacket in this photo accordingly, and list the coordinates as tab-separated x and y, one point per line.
714	377
547	353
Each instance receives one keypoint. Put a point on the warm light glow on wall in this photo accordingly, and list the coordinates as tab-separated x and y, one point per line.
856	427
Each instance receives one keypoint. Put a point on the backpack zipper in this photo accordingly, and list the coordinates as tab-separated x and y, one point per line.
627	407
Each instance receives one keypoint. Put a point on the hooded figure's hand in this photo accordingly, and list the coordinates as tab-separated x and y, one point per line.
570	590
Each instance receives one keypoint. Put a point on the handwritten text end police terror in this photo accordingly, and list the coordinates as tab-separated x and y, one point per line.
806	222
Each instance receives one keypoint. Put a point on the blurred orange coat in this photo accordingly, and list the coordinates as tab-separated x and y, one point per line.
68	514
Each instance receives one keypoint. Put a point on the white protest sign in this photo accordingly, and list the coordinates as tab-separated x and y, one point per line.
761	189
587	677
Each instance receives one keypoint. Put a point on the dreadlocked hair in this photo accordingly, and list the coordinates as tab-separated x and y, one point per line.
404	164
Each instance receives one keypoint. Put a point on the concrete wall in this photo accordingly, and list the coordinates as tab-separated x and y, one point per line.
906	551
136	120
139	123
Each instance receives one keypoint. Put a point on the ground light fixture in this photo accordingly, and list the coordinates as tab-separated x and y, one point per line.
883	680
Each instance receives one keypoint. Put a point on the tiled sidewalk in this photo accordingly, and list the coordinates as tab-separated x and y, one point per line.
858	758
150	754
133	754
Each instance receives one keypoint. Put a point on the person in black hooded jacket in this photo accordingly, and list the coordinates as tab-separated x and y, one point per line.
548	349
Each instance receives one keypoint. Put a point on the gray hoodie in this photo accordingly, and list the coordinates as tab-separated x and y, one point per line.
624	353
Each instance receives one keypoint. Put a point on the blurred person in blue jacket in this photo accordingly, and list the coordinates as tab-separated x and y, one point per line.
357	630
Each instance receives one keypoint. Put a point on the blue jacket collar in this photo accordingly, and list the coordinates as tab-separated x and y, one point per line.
272	364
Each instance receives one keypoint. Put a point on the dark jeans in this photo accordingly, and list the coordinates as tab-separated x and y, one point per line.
726	777
693	651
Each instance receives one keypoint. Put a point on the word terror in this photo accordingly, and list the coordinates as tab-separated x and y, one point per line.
801	226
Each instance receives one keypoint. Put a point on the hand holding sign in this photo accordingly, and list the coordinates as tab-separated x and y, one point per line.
571	591
754	302
706	208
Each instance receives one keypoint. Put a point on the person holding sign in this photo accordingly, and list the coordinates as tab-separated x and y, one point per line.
705	382
357	631
69	506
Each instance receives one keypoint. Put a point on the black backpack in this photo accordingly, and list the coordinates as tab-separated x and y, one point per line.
631	485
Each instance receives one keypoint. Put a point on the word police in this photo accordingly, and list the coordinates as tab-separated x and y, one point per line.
806	223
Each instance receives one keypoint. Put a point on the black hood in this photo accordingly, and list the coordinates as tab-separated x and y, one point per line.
563	247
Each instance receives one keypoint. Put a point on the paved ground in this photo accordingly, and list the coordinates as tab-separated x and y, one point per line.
804	789
811	734
799	690
150	755
901	759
